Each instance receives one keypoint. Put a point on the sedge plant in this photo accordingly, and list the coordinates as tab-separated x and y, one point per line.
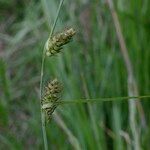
52	92
50	96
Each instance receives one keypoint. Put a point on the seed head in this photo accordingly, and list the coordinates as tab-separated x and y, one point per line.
51	97
55	43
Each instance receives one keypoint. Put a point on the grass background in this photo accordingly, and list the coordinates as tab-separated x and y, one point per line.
89	67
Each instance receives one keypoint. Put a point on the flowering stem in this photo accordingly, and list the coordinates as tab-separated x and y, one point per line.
41	81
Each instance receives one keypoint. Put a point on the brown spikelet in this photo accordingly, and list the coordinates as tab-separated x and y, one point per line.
51	97
55	44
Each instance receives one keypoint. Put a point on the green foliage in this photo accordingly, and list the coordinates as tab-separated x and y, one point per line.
89	67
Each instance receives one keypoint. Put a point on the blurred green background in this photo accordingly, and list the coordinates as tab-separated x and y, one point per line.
91	66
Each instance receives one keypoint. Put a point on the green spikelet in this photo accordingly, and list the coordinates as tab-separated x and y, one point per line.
51	97
55	44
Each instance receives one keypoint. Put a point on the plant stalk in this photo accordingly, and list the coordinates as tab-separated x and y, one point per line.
41	80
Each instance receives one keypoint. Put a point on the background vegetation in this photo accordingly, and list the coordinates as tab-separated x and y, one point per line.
91	66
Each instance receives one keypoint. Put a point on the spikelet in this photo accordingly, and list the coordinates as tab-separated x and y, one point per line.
51	97
55	43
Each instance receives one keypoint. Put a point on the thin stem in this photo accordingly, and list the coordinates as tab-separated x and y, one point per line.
44	130
98	100
95	100
42	113
57	15
41	80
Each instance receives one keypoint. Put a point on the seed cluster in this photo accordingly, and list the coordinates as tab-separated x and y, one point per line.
51	97
55	43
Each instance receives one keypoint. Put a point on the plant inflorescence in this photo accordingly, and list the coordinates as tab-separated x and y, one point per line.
52	91
51	97
55	44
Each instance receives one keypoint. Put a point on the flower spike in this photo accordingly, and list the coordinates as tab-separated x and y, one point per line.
56	43
51	97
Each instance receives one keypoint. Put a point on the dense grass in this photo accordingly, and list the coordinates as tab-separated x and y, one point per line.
90	67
